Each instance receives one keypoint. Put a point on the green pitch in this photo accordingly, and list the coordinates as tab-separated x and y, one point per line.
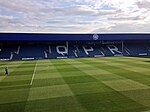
106	84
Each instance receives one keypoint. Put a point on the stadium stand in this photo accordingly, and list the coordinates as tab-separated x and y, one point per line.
33	46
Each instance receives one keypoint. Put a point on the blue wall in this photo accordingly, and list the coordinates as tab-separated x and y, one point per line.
48	37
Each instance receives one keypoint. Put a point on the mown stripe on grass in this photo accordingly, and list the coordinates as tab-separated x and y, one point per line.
89	87
16	85
141	96
13	107
14	74
72	75
93	71
15	95
47	70
48	82
17	78
11	70
45	92
91	95
48	90
126	71
109	102
125	85
59	104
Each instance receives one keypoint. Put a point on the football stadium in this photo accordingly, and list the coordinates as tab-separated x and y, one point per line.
74	72
74	55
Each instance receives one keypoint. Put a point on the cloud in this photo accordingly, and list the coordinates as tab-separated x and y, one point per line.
126	27
80	16
144	4
3	18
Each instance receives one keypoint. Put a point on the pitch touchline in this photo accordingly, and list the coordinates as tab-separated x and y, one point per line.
33	74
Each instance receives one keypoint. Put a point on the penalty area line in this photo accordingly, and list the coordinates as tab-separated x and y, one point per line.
33	74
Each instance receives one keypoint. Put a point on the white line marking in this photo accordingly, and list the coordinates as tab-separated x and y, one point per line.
33	74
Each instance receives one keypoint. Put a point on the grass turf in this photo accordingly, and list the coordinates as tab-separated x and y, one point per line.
106	84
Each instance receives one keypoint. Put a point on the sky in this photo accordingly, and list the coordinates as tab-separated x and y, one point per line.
75	16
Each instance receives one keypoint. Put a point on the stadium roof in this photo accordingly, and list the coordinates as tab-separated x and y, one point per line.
52	37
